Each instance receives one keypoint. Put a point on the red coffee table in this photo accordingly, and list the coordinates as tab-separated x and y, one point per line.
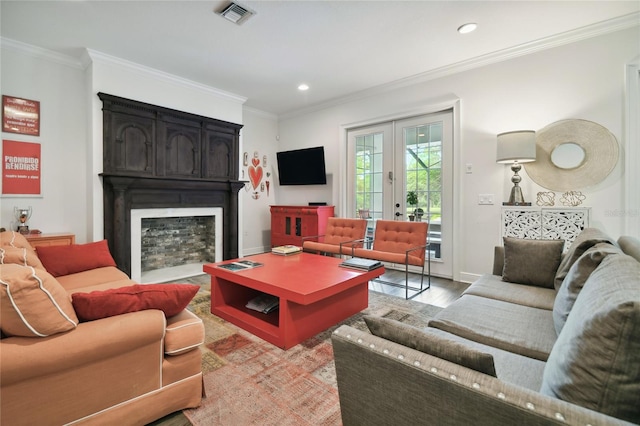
315	294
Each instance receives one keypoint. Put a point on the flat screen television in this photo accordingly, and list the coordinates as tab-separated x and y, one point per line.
302	167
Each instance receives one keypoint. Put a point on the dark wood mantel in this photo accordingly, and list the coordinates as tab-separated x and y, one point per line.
155	157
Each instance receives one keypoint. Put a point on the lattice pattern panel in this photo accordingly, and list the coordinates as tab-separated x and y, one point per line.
563	225
535	223
522	224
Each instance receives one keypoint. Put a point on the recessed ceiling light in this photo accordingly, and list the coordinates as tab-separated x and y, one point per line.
303	87
467	28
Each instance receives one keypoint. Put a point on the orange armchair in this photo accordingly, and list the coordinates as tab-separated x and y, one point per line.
339	237
403	243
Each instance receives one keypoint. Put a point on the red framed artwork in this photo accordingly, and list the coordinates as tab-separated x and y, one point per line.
20	116
21	168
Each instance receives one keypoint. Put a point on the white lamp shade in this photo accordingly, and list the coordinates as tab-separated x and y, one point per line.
517	146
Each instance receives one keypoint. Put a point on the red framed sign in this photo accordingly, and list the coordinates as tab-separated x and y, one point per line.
21	168
20	116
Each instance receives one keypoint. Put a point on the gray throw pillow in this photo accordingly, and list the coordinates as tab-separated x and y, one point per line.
595	362
575	279
585	240
423	341
531	262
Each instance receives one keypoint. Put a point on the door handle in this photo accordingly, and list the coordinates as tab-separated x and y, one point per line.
398	214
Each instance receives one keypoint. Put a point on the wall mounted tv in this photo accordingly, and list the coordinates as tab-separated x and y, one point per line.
302	167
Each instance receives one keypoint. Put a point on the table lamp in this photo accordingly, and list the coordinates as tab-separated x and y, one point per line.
515	148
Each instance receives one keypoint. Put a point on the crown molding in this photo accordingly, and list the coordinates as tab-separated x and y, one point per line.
40	53
89	56
95	56
260	113
601	28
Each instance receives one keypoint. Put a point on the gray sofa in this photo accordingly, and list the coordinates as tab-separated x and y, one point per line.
548	338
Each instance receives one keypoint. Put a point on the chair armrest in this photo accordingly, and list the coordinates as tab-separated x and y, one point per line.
22	358
423	246
420	247
311	237
354	243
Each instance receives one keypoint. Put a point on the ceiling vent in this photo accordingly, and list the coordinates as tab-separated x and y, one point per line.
236	13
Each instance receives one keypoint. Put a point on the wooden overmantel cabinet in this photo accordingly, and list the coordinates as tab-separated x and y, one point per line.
151	141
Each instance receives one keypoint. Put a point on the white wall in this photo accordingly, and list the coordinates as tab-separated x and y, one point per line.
581	80
58	84
259	135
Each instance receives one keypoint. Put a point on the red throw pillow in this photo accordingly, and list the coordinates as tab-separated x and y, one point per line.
169	298
69	259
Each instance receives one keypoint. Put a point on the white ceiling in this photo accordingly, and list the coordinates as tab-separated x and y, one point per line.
339	48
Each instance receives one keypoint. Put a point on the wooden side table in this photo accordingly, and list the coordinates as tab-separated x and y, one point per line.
62	239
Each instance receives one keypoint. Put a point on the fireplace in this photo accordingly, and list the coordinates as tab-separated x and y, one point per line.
126	194
159	158
170	244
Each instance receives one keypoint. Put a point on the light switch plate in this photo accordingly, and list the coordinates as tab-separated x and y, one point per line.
485	199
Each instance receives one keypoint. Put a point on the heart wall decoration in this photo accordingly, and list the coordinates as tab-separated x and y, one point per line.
256	174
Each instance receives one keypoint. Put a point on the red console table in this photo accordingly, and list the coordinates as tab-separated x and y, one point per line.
290	224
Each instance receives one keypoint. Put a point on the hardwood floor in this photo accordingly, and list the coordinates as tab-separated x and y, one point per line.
442	293
173	419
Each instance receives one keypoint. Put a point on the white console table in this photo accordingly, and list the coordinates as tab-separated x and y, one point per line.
545	223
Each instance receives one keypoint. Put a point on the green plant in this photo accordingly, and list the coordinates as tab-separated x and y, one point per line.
412	198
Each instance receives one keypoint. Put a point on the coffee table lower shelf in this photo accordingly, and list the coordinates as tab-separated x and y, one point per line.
262	325
292	323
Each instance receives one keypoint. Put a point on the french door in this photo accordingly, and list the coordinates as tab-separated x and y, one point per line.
387	161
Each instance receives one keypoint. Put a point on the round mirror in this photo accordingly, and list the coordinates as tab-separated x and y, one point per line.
567	155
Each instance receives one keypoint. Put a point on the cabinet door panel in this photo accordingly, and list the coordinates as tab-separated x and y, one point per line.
181	151
220	159
134	144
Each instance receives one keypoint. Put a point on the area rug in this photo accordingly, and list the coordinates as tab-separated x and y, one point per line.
251	382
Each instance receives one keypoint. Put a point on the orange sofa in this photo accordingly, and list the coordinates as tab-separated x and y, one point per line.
131	368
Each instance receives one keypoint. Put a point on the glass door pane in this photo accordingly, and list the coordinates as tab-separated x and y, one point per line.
424	152
369	175
370	159
423	172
